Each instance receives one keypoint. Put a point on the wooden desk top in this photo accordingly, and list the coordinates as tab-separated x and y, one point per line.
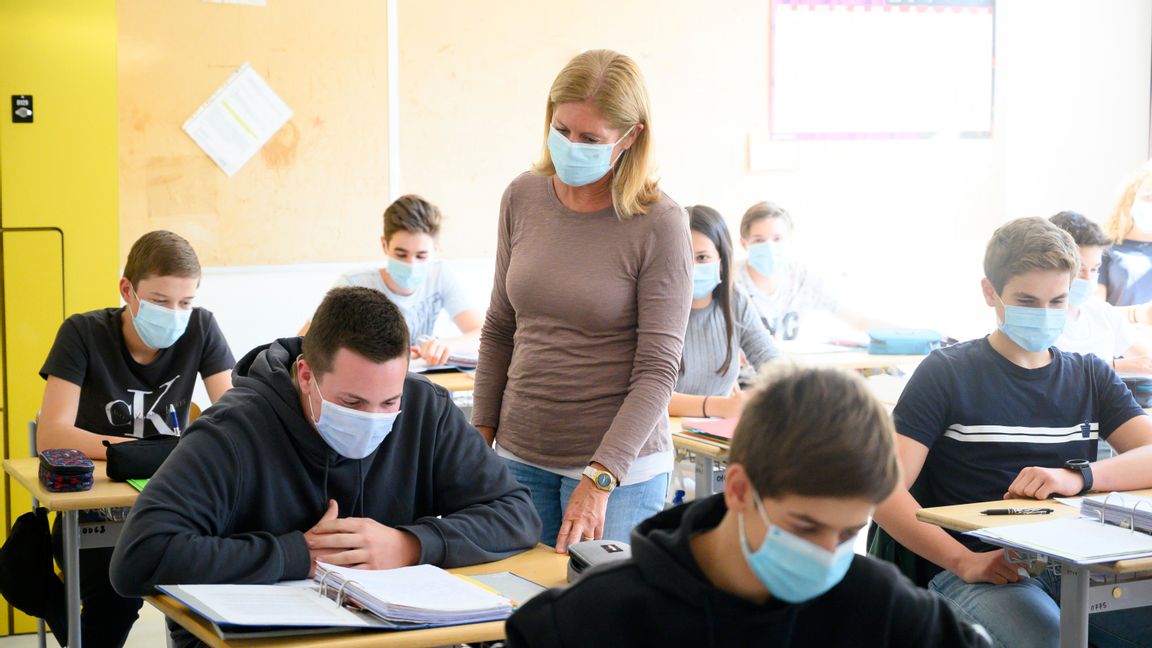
104	493
967	517
716	451
453	381
541	564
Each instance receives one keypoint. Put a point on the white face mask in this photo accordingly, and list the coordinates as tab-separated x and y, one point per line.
351	433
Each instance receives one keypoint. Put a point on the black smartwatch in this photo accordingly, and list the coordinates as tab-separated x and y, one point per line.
1084	468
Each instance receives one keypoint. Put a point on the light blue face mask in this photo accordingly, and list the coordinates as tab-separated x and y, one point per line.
705	278
765	257
351	433
579	164
409	276
1081	291
159	327
1033	329
793	569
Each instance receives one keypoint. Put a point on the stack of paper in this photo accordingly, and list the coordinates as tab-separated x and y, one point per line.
1121	509
1082	541
716	431
423	594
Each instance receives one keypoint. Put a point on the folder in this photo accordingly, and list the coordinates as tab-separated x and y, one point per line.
340	599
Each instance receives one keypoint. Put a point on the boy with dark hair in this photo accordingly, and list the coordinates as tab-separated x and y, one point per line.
1094	325
418	283
769	561
1009	415
119	374
326	449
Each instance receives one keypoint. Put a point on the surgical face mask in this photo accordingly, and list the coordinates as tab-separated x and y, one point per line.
1033	329
580	164
159	327
351	433
765	257
1081	291
408	276
1141	213
793	569
705	278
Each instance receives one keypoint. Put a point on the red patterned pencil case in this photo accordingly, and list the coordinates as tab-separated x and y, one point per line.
64	470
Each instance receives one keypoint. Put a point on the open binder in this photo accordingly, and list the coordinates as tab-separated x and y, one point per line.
1111	527
338	599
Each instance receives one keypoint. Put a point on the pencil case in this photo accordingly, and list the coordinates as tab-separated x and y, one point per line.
139	459
891	341
64	470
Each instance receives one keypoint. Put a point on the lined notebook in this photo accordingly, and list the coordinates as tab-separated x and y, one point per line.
1090	539
340	599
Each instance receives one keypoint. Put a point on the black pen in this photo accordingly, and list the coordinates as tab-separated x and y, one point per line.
1017	511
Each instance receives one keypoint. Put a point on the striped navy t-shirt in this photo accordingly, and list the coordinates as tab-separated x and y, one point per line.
984	418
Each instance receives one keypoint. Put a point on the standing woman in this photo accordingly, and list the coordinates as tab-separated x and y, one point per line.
581	344
723	323
1126	272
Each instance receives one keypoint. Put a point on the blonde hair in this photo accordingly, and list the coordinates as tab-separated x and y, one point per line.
1120	221
1028	244
613	82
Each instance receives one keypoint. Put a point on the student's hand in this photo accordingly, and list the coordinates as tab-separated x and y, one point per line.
584	516
434	352
1137	364
309	535
1042	483
361	543
726	406
988	567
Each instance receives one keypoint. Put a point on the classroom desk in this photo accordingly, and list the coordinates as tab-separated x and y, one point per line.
1120	587
854	359
453	381
104	494
707	455
540	564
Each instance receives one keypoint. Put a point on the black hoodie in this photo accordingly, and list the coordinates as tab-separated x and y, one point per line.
249	477
661	598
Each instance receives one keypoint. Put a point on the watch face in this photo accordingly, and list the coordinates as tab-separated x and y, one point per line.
604	480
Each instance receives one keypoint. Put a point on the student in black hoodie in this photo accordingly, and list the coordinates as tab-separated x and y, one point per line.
769	562
325	449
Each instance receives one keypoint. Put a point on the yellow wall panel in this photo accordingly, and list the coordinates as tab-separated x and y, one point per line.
58	172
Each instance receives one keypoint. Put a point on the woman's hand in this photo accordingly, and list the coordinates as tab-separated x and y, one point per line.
584	515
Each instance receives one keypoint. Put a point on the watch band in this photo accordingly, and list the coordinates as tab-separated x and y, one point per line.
602	479
1083	467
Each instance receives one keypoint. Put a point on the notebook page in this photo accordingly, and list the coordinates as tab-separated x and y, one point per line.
1080	540
424	587
265	605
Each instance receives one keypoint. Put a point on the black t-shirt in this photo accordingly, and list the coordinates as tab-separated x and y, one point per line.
121	397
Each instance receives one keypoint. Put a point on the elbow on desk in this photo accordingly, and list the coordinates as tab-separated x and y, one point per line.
128	573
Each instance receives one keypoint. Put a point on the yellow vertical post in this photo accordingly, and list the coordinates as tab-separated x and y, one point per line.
58	188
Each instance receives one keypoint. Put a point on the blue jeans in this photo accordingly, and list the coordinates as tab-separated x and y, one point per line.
627	505
1027	614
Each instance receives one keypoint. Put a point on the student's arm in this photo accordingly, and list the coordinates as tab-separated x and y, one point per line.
481	513
1129	470
56	426
755	340
437	350
716	406
496	335
217	384
897	515
176	533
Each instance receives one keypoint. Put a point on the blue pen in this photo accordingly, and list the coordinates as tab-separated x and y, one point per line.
173	419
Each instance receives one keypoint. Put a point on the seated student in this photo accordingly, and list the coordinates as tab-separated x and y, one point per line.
118	374
1094	325
768	562
326	449
1001	416
418	284
1125	276
782	288
721	324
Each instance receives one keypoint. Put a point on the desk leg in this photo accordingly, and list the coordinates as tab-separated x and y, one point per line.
1073	606
704	476
71	520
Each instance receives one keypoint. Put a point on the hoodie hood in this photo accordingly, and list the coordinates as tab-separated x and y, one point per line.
267	372
661	549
